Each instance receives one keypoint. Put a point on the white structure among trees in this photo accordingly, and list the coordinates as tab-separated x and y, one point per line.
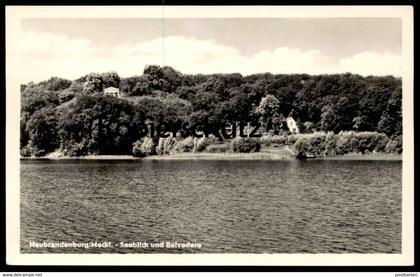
291	124
113	91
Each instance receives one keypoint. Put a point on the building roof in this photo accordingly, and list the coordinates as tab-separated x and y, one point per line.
111	89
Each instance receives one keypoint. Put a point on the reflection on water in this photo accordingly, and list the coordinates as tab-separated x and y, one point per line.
228	206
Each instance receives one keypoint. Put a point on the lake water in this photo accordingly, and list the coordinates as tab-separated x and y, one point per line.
314	206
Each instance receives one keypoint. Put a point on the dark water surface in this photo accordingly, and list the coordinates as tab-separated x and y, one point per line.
316	206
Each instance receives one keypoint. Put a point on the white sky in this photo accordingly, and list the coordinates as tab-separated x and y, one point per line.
71	48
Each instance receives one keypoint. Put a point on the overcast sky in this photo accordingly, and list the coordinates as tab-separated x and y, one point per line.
71	48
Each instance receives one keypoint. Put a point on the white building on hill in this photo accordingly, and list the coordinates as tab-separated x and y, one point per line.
112	91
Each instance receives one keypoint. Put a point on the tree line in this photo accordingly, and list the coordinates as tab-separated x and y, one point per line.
76	118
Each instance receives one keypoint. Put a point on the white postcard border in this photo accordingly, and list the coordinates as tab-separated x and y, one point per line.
14	14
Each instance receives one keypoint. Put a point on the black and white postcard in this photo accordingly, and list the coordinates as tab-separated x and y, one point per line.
194	135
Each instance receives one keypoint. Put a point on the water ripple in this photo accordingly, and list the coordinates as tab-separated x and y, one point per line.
227	206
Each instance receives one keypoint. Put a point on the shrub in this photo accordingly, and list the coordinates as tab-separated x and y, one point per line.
399	141
25	152
185	145
346	144
275	139
148	147
143	148
300	145
329	144
380	141
391	146
291	139
169	145
245	145
364	142
394	146
218	148
137	152
165	145
200	144
74	149
326	144
312	144
33	151
160	147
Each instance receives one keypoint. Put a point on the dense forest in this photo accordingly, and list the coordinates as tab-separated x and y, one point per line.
76	118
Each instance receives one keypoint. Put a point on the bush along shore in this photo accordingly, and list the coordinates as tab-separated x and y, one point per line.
314	145
298	115
350	145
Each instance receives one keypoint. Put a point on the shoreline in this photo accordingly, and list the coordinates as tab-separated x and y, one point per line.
90	157
263	156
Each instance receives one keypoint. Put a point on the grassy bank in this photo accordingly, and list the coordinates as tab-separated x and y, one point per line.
223	156
282	153
266	154
320	145
88	157
367	157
